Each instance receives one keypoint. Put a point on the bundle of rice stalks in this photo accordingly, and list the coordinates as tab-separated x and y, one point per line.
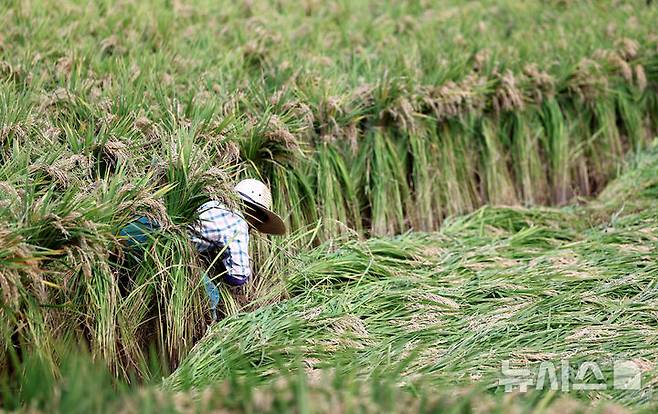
384	182
457	99
15	117
508	96
268	142
336	192
499	189
93	287
20	271
557	146
527	160
270	151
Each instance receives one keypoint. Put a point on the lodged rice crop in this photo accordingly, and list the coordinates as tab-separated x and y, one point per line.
500	284
365	119
86	387
420	322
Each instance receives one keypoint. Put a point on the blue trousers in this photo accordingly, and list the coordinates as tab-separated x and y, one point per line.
213	295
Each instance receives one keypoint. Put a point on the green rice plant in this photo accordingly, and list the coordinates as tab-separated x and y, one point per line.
15	110
71	227
179	304
583	176
457	157
350	263
497	183
20	273
192	178
422	214
527	157
339	204
556	143
269	284
609	141
295	196
386	185
161	300
631	119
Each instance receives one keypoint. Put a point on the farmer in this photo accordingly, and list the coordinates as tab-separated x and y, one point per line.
222	235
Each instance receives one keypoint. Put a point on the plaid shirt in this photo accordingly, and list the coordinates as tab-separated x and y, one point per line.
219	227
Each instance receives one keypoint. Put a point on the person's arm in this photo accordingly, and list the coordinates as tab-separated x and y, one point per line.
206	231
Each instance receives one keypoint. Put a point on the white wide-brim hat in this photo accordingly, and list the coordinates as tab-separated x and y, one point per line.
258	194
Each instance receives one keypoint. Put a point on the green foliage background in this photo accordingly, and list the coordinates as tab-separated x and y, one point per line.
368	119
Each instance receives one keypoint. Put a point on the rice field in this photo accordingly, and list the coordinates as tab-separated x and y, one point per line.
423	321
503	283
466	183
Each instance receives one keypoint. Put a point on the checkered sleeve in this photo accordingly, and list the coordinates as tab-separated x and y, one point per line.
237	260
221	227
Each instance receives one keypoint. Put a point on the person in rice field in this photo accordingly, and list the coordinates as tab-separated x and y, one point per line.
221	235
